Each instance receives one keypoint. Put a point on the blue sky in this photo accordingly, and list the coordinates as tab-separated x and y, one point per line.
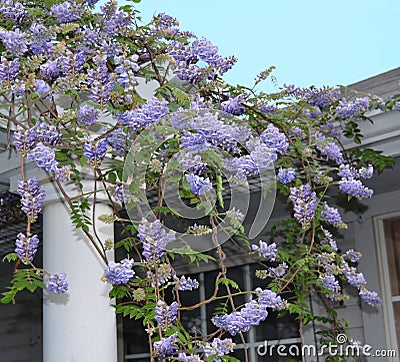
310	42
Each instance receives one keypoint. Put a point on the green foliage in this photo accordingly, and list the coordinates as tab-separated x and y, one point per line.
29	279
192	255
353	131
133	311
373	157
11	257
126	243
228	282
79	215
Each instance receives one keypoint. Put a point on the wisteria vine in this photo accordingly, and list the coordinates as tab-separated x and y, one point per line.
99	60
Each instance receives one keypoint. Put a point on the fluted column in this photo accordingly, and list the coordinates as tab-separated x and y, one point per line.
79	326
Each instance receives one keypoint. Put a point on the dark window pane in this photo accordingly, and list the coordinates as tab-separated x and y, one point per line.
274	327
396	310
135	337
239	354
236	274
191	319
392	236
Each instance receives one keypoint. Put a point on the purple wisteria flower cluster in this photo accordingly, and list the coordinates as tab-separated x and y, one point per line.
164	24
278	271
44	157
322	97
36	143
198	184
353	255
186	283
305	203
26	247
121	193
117	140
352	108
13	10
67	12
125	73
354	188
188	59
88	115
42	132
370	297
267	252
263	153
268	108
151	112
333	272
331	150
252	314
209	131
95	153
154	239
329	281
286	175
188	358
9	70
192	163
32	197
328	240
166	315
274	139
56	283
233	105
14	41
160	275
332	216
166	346
218	347
119	273
350	172
113	22
358	281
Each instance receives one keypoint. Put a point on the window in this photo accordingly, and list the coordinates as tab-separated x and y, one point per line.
389	249
283	330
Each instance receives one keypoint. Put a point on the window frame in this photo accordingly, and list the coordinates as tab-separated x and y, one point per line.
384	280
251	344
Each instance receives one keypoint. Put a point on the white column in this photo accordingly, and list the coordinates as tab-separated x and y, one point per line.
79	326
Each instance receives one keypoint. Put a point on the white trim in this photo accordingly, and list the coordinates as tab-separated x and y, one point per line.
374	139
384	277
203	308
251	333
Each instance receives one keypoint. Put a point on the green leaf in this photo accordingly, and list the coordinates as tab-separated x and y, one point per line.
83	161
118	292
22	279
219	190
112	177
228	282
9	296
49	3
11	257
